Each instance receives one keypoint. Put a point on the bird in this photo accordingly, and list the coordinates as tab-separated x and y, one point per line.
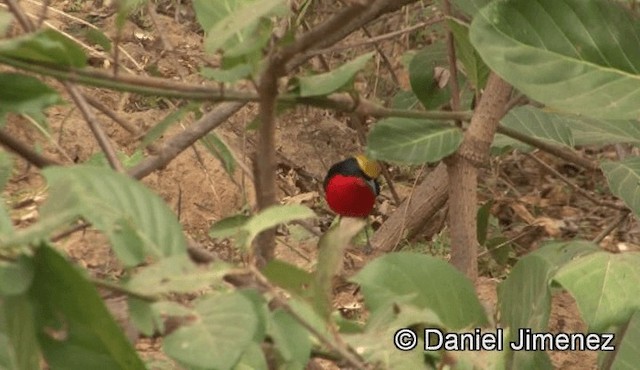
351	186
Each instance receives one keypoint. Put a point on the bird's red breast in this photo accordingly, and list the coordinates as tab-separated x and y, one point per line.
351	188
350	196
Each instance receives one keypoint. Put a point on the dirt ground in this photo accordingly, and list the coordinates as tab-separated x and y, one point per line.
199	190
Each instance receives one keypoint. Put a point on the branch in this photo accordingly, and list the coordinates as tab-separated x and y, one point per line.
96	129
26	152
181	141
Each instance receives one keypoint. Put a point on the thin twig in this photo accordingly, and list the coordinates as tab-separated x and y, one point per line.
564	153
575	187
26	152
373	40
117	288
619	220
96	128
20	15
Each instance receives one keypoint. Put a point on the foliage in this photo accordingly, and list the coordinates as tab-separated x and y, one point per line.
578	58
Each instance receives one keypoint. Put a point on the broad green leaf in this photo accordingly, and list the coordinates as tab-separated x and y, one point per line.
289	277
74	328
574	55
228	227
406	100
422	76
624	179
338	78
412	141
291	339
417	280
138	222
627	347
274	216
330	259
15	276
591	131
252	359
605	286
224	329
539	124
475	69
24	94
18	343
219	149
525	296
47	46
170	119
225	20
175	274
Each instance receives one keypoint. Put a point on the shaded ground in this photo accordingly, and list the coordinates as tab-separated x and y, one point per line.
197	187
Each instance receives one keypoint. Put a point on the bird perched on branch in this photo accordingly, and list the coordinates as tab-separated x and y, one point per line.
351	187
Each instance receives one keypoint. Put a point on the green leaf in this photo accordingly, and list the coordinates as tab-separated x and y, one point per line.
225	20
219	149
289	277
274	216
416	279
422	76
174	117
591	131
539	124
477	72
47	46
176	274
338	78
74	328
605	286
224	328
627	346
138	222
574	55
15	276
291	339
252	359
228	227
412	141
25	95
18	343
525	296
624	178
330	259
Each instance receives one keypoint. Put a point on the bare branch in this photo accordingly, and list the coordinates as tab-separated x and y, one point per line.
26	152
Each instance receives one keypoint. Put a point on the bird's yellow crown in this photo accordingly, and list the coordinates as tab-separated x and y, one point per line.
370	167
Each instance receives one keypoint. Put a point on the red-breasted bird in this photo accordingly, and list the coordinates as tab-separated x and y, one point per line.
351	186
